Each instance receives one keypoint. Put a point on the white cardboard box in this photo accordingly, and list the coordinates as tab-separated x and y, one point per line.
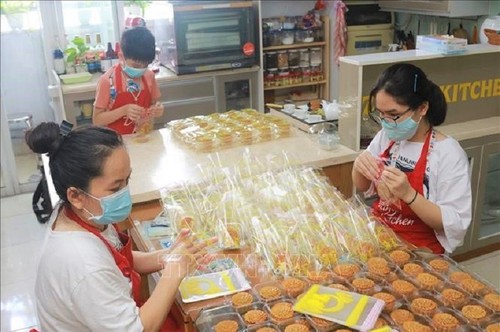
443	44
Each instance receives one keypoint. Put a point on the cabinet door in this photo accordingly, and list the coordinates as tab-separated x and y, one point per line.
486	228
235	92
474	156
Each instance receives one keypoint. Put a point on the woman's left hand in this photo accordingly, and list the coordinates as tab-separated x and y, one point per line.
398	184
156	110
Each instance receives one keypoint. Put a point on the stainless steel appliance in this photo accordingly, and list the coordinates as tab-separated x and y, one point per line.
209	35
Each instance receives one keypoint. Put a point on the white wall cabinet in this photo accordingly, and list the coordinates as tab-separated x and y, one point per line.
447	8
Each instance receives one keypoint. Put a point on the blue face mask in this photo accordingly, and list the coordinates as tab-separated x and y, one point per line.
404	130
115	207
134	72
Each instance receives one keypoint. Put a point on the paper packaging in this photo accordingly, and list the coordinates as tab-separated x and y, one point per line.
350	309
443	44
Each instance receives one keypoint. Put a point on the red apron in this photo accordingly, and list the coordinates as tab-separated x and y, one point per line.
123	97
125	262
403	220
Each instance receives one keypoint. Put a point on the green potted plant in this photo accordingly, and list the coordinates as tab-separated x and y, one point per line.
75	52
14	10
141	4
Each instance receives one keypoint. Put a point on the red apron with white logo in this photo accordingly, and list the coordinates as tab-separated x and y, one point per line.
403	220
124	97
125	262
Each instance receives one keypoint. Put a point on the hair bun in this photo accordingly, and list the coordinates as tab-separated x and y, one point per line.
44	138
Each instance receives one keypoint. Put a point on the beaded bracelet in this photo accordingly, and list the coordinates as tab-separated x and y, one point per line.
414	198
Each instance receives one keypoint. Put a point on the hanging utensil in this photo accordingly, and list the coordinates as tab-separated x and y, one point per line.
460	32
449	29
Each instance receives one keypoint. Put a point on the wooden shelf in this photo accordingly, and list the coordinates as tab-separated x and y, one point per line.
295	85
292	46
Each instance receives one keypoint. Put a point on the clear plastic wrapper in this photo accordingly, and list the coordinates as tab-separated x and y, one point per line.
207	286
223	130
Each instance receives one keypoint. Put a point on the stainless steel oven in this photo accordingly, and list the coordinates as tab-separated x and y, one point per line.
209	35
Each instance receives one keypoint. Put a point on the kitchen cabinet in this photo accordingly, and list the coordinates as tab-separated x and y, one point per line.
182	96
447	8
484	161
317	85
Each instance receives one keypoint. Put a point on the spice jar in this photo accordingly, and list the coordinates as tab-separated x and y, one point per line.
271	59
306	73
283	77
293	58
275	38
316	73
287	37
270	77
316	56
282	59
304	57
295	75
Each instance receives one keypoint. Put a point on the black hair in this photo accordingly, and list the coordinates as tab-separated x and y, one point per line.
409	85
74	159
138	44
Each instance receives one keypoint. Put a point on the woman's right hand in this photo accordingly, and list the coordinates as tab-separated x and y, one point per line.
368	166
133	111
186	253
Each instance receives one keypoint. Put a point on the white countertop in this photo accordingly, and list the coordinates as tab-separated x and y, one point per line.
412	55
165	163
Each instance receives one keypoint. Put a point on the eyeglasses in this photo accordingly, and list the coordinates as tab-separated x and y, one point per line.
378	117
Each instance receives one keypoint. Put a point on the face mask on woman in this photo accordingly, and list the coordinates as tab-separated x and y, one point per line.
134	72
115	207
404	130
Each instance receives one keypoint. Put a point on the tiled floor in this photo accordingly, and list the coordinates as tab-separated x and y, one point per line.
22	236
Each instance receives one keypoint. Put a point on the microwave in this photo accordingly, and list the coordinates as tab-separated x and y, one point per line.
209	35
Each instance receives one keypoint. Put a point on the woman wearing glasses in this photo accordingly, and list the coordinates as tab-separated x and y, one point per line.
420	175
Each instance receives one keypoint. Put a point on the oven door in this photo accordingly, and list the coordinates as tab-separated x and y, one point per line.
222	35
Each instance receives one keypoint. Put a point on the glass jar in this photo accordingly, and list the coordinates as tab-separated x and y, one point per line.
289	23
309	36
287	37
316	73
275	38
282	59
316	56
271	59
270	77
300	35
283	77
318	35
306	73
304	57
293	58
295	75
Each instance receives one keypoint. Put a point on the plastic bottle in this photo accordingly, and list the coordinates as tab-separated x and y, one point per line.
59	65
332	111
89	55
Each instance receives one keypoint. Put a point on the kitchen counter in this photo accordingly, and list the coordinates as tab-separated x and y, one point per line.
164	75
412	55
163	162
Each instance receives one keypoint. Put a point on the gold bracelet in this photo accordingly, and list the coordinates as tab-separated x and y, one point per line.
414	198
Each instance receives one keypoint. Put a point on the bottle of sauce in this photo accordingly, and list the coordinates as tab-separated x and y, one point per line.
106	63
115	59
